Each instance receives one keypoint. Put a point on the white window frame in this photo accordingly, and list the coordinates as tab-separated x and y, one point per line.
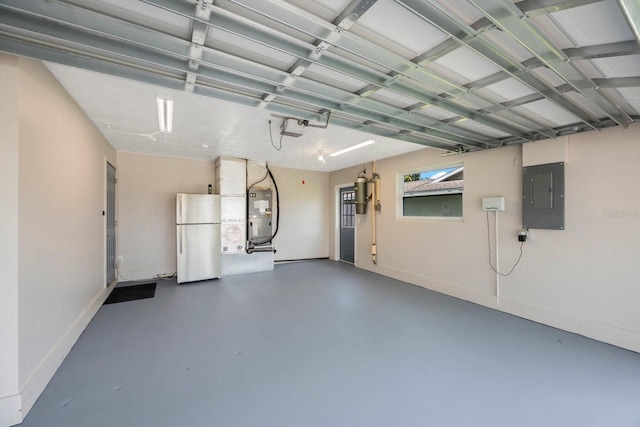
401	196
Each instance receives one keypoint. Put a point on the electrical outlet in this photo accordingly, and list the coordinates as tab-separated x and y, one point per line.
523	235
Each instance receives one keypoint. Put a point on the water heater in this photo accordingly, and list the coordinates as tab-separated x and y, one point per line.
360	188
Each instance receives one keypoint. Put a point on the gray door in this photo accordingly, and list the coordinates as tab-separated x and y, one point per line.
347	224
111	223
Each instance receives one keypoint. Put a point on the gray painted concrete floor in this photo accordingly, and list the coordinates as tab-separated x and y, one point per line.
325	344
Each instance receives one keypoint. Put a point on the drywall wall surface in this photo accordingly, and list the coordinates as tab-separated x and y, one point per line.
585	275
9	381
546	151
62	161
445	253
147	187
580	279
304	211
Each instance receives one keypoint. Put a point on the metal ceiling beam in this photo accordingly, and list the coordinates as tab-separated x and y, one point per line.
155	52
312	25
575	54
344	21
607	50
483	25
528	7
631	11
117	45
399	66
544	7
233	24
176	82
614	83
618	82
352	12
510	19
476	41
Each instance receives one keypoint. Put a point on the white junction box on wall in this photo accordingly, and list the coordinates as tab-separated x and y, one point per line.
493	203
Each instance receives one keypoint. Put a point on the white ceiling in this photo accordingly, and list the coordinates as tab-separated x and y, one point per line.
455	76
125	111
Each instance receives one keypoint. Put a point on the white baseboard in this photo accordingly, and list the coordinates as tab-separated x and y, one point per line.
35	385
609	334
588	328
439	286
10	410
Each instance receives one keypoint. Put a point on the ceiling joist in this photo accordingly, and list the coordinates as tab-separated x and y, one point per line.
388	93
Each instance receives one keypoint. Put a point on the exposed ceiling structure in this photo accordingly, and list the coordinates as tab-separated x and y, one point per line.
453	75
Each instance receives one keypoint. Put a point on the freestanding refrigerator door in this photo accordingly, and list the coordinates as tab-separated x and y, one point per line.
197	208
198	250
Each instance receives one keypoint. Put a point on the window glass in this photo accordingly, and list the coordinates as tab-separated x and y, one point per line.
433	192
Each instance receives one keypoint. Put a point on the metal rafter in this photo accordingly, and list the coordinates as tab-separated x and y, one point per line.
510	19
399	66
234	24
352	12
146	49
529	7
544	7
475	41
575	54
110	40
631	11
176	82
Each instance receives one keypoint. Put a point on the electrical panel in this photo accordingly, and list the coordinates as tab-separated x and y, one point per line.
259	216
543	196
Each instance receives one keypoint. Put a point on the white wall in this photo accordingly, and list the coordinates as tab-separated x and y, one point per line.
584	278
53	256
147	187
304	223
10	401
581	279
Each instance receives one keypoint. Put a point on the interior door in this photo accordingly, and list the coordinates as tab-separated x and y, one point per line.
347	224
111	223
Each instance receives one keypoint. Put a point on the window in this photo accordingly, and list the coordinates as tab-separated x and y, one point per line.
349	209
433	192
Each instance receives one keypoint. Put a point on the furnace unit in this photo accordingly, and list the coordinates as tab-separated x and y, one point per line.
259	212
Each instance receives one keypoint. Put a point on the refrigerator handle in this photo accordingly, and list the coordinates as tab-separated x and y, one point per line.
180	238
179	210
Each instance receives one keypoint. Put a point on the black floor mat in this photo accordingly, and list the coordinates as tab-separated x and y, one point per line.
131	293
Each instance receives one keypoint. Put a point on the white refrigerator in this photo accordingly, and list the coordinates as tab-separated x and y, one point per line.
198	237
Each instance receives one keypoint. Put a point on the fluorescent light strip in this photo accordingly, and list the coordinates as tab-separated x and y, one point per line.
165	114
353	147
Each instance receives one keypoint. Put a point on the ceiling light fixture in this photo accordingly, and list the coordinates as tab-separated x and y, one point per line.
321	156
165	114
353	147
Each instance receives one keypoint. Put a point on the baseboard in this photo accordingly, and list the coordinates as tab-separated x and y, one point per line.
10	410
36	383
609	334
451	289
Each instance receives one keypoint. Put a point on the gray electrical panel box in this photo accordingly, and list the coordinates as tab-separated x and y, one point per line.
543	196
259	210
